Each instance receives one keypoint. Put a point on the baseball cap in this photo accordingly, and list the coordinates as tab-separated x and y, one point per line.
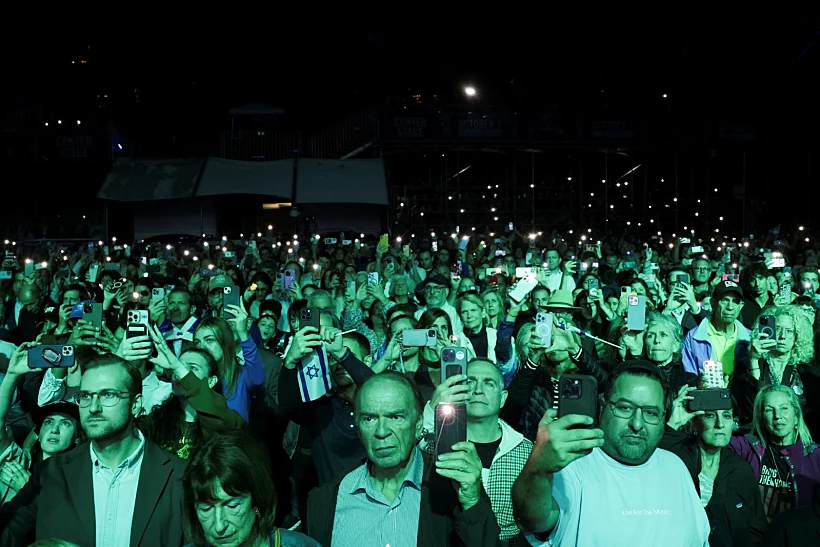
438	279
219	281
725	287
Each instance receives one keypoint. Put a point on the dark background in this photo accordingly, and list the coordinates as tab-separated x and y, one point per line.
142	77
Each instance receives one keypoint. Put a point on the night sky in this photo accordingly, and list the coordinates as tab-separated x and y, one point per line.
180	77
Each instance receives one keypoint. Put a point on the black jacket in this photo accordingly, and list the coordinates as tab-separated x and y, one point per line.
797	527
673	373
735	510
441	521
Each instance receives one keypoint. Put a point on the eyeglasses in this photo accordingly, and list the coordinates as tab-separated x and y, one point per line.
703	268
625	410
785	330
429	288
216	292
107	397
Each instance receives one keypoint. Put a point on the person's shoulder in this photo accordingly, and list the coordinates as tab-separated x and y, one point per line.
288	538
157	455
670	461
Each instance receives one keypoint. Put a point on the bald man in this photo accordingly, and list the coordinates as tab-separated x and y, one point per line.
32	315
502	450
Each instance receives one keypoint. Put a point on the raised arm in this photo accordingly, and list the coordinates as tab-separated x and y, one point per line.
556	446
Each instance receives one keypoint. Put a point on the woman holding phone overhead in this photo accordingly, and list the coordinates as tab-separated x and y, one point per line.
725	483
197	408
240	365
781	354
57	430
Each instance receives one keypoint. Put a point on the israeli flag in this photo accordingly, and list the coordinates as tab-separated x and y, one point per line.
314	375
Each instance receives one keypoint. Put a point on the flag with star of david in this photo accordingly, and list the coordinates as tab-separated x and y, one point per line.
314	375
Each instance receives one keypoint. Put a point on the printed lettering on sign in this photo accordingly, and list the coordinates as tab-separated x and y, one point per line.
410	127
74	147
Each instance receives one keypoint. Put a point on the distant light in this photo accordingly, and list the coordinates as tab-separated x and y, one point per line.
470	91
119	146
664	95
46	124
569	178
78	122
715	189
59	122
801	228
721	218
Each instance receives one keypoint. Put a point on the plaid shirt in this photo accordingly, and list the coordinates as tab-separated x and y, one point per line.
510	458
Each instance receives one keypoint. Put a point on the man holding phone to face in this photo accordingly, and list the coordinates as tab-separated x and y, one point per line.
610	486
502	450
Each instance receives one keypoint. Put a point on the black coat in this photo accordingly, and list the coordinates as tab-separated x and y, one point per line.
797	527
735	510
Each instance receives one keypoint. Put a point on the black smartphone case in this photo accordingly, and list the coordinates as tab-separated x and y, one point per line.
450	428
710	399
578	394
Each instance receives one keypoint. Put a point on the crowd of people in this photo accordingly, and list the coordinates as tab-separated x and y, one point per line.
284	390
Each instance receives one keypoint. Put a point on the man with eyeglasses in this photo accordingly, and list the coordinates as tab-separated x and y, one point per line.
436	291
610	486
701	272
117	489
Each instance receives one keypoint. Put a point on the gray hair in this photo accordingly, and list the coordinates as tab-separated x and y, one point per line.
671	325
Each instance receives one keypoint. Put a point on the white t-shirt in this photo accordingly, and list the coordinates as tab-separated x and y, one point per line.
604	502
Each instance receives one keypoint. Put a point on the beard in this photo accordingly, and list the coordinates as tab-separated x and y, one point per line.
101	428
632	449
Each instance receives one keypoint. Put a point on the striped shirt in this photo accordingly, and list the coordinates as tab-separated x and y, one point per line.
365	518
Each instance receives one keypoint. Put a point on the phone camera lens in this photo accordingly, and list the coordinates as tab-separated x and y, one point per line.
448	355
87	308
431	332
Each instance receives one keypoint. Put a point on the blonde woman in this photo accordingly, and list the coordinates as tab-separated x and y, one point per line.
535	382
493	307
780	360
780	450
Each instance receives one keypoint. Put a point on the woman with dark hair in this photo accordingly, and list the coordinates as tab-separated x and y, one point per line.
57	430
725	483
182	422
228	497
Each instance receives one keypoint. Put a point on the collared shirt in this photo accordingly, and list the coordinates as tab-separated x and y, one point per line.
365	518
115	495
177	335
554	279
723	346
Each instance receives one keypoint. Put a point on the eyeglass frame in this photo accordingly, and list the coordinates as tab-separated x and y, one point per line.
635	409
434	288
119	394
